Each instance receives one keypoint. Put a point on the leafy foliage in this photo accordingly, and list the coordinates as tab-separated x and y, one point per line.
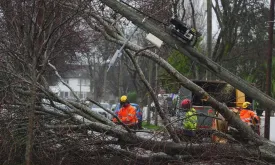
132	96
182	64
179	62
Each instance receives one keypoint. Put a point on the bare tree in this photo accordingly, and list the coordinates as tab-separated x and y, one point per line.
37	32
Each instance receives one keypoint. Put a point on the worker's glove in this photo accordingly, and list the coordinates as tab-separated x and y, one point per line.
255	120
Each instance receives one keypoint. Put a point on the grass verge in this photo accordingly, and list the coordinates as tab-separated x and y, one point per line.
151	126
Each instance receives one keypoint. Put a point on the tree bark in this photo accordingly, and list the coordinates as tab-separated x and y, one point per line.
149	97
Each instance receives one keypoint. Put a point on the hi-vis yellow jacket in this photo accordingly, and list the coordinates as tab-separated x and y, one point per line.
191	120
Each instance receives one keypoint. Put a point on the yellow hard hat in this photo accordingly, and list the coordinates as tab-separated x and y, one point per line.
123	99
246	104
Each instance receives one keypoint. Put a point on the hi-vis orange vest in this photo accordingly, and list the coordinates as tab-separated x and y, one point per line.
248	116
128	115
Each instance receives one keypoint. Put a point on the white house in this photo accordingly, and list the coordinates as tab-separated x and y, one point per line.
78	80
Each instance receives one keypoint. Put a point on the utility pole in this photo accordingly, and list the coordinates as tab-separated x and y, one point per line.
209	34
149	97
269	67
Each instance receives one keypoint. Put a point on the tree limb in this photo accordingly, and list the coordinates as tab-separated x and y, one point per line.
153	95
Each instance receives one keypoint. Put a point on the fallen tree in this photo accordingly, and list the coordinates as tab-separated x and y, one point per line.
202	151
230	117
150	26
219	71
59	129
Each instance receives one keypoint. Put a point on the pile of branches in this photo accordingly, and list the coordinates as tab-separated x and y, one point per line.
71	134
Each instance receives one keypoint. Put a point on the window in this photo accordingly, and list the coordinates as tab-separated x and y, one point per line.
84	95
61	94
66	94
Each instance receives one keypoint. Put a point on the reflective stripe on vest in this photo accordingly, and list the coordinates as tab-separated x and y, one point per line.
247	120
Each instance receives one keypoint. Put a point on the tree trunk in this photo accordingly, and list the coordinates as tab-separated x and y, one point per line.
149	97
209	34
156	91
31	115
